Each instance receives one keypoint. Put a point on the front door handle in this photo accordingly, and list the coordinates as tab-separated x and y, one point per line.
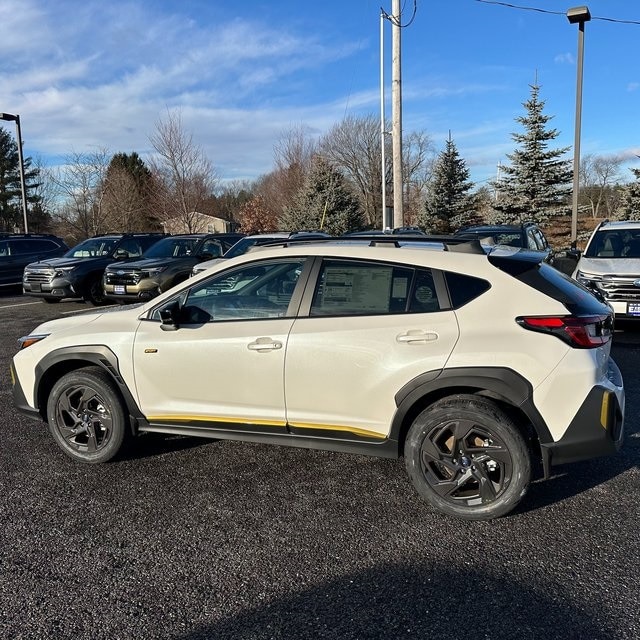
263	345
417	336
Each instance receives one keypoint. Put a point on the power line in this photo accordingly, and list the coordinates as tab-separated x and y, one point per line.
396	20
557	13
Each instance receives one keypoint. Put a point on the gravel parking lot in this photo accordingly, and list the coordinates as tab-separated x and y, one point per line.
189	539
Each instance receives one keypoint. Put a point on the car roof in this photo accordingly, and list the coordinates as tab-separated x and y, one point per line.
491	228
619	224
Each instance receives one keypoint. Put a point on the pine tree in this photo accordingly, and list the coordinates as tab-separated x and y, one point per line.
630	209
449	204
324	202
10	185
536	184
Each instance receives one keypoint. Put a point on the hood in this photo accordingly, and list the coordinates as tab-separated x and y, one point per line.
71	323
56	263
148	263
610	266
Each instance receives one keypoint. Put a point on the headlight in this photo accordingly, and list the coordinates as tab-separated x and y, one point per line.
155	271
583	276
27	341
62	271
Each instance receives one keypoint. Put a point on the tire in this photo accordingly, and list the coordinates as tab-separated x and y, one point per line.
467	458
95	293
86	416
51	300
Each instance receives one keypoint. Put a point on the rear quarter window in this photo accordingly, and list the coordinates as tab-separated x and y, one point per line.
463	288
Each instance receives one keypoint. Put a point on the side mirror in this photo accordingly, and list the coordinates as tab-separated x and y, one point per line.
121	254
169	318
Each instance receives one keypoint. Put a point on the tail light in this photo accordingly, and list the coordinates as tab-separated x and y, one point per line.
582	332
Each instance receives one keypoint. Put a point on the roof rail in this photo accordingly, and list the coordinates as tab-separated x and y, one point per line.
458	244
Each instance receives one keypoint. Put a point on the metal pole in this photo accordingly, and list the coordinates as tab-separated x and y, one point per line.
385	223
576	143
23	187
396	85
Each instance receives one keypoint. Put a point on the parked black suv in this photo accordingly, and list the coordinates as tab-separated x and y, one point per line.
78	273
527	235
17	250
164	265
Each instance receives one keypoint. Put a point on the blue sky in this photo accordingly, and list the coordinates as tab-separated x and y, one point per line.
88	74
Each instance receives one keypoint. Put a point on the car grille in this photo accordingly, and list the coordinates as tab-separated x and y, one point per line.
122	277
620	288
38	275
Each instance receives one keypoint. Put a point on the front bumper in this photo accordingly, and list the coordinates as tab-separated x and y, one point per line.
597	428
143	290
57	288
19	399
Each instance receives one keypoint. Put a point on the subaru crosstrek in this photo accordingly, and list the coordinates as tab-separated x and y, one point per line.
482	370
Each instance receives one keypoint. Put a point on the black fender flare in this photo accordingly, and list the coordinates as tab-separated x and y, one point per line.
500	383
99	355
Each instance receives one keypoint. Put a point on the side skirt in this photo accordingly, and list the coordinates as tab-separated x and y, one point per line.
382	449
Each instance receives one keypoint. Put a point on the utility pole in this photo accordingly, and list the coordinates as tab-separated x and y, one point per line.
396	116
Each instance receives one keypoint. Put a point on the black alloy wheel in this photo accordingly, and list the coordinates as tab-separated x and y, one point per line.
86	416
467	458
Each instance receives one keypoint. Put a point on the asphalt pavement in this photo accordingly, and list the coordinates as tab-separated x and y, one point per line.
193	539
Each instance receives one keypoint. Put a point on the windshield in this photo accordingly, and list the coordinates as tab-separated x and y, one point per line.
172	248
621	243
240	247
93	247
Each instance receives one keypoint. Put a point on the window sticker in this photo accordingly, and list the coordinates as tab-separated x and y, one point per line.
356	289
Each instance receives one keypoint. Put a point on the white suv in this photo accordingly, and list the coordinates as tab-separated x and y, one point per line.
481	370
610	265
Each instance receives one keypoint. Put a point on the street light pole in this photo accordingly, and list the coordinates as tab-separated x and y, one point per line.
577	15
23	188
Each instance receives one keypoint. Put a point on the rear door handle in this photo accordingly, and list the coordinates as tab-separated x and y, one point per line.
417	336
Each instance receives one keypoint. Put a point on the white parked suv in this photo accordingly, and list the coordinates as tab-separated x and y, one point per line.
610	265
481	370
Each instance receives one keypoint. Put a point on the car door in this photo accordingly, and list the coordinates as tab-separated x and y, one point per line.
371	328
220	363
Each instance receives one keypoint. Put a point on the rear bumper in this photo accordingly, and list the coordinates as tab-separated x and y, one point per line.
596	430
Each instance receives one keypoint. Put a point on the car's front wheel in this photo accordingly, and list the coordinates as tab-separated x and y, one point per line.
95	293
86	415
467	458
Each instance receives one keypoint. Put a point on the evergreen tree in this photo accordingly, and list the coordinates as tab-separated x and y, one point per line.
536	184
126	194
324	202
449	204
630	209
9	181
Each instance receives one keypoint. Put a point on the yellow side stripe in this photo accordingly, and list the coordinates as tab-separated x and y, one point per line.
269	423
334	427
265	423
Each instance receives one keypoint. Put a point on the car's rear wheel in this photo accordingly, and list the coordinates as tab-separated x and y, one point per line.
86	415
467	458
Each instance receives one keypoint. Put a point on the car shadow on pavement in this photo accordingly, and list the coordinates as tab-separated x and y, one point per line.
573	479
149	445
428	601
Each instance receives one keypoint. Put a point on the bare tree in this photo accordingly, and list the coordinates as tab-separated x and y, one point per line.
79	193
354	147
184	175
293	157
598	175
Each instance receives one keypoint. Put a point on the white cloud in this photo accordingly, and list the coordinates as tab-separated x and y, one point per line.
565	58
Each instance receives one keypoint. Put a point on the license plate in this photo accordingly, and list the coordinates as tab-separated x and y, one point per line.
36	287
633	308
119	288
